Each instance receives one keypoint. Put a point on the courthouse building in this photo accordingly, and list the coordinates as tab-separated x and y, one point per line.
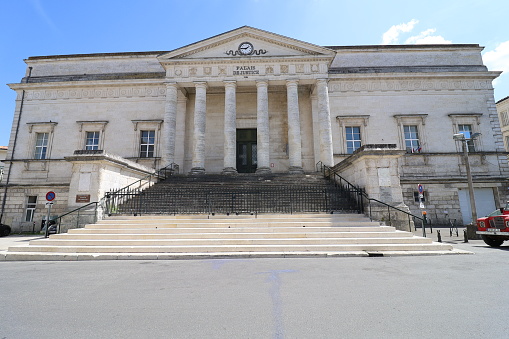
247	101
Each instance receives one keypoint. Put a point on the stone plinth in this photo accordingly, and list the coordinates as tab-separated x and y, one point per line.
375	168
95	174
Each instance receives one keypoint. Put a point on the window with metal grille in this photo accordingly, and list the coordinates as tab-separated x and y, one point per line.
147	142
41	145
30	209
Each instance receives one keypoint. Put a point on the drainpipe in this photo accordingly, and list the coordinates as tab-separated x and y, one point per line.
14	146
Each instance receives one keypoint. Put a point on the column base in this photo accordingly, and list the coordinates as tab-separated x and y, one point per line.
197	171
263	170
296	170
229	171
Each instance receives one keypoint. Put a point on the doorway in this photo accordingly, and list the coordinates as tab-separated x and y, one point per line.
246	150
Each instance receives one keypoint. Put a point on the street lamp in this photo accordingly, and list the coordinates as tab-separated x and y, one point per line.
461	137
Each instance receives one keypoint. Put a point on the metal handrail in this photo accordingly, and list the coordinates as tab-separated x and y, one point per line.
172	168
362	195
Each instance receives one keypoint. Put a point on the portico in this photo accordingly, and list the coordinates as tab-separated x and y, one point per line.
252	79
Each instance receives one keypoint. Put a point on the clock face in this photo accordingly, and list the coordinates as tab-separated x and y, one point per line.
246	48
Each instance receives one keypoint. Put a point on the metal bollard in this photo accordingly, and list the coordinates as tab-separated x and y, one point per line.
439	236
465	238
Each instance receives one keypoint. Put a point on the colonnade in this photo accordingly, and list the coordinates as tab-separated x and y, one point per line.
263	131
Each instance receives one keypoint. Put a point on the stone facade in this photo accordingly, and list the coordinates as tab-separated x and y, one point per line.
307	103
503	116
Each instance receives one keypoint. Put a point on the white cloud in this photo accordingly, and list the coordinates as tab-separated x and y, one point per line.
392	35
427	37
498	59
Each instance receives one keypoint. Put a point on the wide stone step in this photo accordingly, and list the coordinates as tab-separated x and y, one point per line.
201	230
228	242
275	217
236	248
225	235
230	224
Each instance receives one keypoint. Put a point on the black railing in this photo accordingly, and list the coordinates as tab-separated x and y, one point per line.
355	193
363	200
88	214
77	218
189	200
125	195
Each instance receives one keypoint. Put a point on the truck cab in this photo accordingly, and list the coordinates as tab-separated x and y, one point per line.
494	228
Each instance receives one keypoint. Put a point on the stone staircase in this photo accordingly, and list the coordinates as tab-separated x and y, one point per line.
243	193
244	236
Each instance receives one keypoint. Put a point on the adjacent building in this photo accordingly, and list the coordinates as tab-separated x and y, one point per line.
249	100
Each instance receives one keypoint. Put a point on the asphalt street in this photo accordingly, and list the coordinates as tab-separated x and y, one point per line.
450	296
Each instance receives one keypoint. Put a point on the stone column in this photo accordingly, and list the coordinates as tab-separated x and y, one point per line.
294	137
200	110
170	124
262	131
230	128
325	129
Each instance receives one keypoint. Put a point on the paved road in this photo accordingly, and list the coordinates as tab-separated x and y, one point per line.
454	296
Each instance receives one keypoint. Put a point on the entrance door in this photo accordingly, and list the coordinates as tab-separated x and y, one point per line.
246	150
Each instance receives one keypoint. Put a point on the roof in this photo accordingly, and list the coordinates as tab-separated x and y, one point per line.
3	148
502	100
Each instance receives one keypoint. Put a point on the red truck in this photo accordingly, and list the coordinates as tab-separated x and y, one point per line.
494	228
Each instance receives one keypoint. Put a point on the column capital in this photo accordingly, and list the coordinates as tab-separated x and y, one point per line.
292	82
262	83
230	83
200	84
322	81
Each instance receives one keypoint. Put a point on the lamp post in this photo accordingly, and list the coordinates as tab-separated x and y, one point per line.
461	137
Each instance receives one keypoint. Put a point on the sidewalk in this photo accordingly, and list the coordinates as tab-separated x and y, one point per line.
16	240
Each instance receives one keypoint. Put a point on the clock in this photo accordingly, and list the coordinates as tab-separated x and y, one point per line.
246	48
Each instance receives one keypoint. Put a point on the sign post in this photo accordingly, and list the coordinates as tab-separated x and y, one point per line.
50	196
421	205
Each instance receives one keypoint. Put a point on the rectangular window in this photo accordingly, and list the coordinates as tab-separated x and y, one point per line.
147	142
466	130
41	145
31	203
92	141
411	139
353	138
416	197
505	120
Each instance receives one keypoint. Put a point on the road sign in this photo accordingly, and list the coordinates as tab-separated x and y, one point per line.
49	204
420	188
50	196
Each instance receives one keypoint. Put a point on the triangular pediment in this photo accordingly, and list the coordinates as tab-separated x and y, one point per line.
246	42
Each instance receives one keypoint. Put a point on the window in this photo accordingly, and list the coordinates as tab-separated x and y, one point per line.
41	145
147	143
411	129
92	141
412	143
147	135
30	210
353	138
466	130
504	118
92	135
467	124
41	135
416	197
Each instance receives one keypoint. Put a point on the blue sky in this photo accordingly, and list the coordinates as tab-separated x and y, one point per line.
55	27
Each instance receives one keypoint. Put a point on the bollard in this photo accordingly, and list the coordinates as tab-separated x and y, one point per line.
439	236
465	238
